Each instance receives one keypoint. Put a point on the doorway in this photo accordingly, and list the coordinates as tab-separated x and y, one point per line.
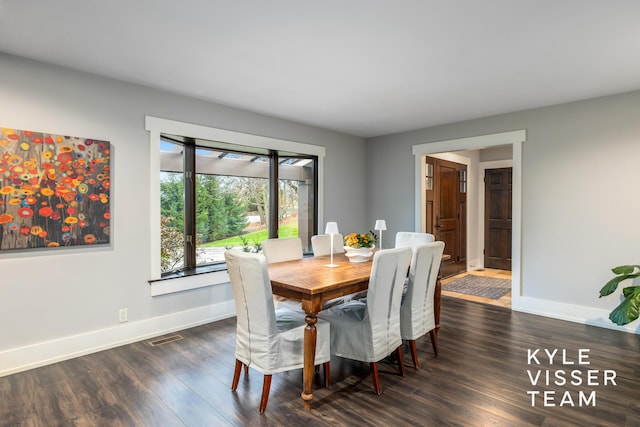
446	197
446	207
515	139
497	218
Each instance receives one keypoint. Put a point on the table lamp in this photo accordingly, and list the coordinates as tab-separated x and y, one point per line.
380	225
331	229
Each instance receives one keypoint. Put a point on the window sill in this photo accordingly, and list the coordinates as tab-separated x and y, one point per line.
187	280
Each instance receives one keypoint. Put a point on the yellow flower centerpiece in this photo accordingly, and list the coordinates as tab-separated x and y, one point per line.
362	240
359	246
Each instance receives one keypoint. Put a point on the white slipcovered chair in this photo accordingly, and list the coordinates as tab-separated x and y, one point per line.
417	315
369	330
268	340
280	250
411	238
321	244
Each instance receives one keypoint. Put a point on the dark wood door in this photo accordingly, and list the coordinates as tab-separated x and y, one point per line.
497	218
446	198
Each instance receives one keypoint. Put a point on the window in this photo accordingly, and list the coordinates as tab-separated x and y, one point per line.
217	194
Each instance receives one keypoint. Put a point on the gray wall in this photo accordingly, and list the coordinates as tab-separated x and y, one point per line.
54	304
580	206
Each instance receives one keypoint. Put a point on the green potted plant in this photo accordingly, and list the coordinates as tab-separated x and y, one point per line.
628	310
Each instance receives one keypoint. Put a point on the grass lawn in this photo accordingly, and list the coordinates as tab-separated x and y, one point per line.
285	230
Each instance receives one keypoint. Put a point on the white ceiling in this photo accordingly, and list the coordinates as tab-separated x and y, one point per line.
363	67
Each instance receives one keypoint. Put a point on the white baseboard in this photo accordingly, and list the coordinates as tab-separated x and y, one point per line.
40	354
572	313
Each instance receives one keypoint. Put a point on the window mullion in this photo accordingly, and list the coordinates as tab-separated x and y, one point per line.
190	204
274	194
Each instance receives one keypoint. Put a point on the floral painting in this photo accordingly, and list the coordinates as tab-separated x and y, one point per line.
54	190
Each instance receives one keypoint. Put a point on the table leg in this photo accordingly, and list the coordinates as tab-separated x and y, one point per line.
310	336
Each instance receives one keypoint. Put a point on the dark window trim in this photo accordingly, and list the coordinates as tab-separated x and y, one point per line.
190	146
274	195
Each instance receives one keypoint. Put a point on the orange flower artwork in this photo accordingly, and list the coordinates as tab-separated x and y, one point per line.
49	187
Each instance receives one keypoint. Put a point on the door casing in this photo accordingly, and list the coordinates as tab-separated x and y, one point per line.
514	138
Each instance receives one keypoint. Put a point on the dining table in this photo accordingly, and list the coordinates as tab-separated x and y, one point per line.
312	281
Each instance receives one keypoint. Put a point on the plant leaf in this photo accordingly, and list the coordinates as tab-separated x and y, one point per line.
631	292
628	310
611	286
625	269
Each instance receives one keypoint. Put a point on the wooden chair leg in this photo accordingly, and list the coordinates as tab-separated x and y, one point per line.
375	377
414	353
236	375
434	340
246	369
266	386
400	359
327	374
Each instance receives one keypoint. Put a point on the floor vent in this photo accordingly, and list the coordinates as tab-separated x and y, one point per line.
165	340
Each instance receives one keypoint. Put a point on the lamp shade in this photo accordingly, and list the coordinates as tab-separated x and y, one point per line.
332	228
380	225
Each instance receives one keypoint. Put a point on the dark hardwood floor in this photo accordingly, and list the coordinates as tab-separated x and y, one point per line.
479	379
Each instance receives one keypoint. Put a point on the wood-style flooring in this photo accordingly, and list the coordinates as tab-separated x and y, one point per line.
479	379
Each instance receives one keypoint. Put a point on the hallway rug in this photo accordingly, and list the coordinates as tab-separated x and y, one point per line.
481	286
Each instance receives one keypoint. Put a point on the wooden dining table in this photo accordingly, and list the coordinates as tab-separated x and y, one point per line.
312	282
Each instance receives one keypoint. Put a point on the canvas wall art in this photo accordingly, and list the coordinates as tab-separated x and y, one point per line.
54	190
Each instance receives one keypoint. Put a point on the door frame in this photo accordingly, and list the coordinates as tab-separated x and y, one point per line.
462	160
515	139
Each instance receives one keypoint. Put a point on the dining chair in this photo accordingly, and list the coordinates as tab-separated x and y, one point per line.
411	238
417	315
280	250
267	340
369	330
321	244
